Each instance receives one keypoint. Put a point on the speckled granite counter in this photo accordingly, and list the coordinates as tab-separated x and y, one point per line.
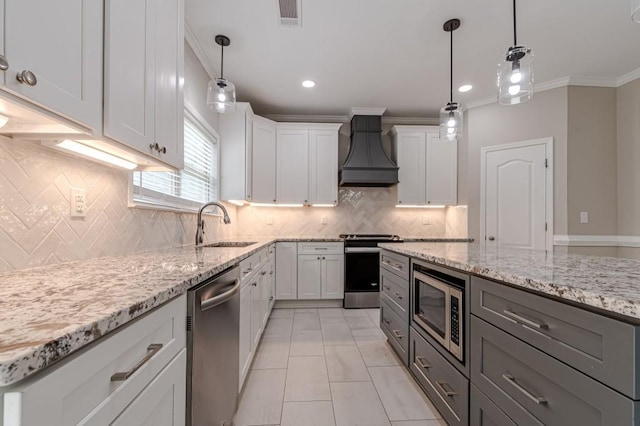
49	312
607	283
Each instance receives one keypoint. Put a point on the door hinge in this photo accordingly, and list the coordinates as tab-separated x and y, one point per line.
546	163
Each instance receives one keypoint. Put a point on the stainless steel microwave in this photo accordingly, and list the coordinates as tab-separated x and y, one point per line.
439	310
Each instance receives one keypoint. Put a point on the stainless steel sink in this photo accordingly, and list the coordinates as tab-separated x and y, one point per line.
230	244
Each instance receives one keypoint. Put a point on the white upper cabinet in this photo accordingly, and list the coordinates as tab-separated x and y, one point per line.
144	73
428	166
264	161
323	167
236	147
292	166
54	52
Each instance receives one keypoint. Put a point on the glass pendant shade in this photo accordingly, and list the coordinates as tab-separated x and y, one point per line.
451	121
515	76
221	95
635	10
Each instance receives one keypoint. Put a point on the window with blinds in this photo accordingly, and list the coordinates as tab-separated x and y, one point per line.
191	187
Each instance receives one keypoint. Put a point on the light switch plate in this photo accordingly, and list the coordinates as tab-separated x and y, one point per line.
78	202
324	220
584	217
270	220
426	220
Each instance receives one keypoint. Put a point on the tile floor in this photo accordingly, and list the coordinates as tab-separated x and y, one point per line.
330	367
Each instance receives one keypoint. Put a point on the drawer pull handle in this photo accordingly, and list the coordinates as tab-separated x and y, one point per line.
398	295
525	321
152	349
263	273
537	399
445	391
420	360
397	334
386	287
322	248
386	321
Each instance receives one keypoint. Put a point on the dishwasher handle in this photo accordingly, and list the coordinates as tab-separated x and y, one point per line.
214	301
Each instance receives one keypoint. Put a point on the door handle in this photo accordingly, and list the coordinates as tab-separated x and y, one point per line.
537	399
397	334
445	391
524	321
221	298
420	360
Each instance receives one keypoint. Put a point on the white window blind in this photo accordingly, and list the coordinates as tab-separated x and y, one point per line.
191	187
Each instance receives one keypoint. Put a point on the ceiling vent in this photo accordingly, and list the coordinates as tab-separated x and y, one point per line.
290	13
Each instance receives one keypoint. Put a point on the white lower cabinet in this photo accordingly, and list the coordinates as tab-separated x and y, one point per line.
245	332
286	271
84	388
321	274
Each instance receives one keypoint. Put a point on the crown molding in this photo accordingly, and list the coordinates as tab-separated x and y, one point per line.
291	118
191	38
411	121
593	82
551	84
629	77
366	111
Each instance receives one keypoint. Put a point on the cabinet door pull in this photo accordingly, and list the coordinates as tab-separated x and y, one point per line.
445	391
27	77
420	360
386	287
4	64
398	295
537	399
386	321
397	334
152	349
522	320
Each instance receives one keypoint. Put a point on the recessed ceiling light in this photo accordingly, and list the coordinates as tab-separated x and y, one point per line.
465	88
308	83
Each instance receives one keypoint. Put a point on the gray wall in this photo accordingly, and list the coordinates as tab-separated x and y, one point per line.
544	116
628	125
195	86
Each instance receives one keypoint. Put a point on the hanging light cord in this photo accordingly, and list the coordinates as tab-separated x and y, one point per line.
515	37
451	69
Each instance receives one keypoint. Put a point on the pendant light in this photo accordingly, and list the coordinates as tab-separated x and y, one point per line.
451	113
635	10
221	93
515	72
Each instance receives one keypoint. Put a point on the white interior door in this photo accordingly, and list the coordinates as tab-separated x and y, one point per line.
516	196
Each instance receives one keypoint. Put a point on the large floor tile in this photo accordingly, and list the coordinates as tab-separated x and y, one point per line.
306	342
400	395
337	334
377	353
307	321
357	404
273	352
357	323
360	334
282	313
333	320
307	379
316	413
304	311
279	327
355	313
331	312
437	422
261	402
374	315
345	364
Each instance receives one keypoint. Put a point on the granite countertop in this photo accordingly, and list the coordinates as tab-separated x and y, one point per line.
606	283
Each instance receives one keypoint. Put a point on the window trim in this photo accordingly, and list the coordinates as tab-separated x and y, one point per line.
179	205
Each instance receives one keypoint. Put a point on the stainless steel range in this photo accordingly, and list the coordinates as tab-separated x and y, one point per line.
362	268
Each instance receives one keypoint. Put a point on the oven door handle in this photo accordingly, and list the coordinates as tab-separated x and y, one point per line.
362	249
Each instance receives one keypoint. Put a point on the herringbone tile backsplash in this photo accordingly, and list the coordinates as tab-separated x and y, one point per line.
36	227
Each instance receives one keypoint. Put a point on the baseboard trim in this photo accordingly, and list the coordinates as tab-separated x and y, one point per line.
288	304
597	240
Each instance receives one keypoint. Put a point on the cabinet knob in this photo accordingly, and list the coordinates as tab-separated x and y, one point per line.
318	257
274	200
323	258
4	64
27	77
491	238
428	202
163	150
305	201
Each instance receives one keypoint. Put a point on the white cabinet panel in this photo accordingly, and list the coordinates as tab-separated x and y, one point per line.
264	161
162	403
292	167
236	145
286	271
255	312
411	173
245	332
309	276
60	42
441	170
323	167
333	276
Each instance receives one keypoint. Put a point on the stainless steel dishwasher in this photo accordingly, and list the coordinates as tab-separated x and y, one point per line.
213	321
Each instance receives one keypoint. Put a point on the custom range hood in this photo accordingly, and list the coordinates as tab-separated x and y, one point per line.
367	164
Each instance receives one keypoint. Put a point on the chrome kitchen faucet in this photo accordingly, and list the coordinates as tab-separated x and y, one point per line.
200	230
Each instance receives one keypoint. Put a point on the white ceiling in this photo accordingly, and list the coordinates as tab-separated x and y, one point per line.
394	53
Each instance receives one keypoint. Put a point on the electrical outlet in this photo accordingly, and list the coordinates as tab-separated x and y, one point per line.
426	220
270	220
78	202
324	220
584	217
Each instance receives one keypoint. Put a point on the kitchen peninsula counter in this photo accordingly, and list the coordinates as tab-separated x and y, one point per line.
608	284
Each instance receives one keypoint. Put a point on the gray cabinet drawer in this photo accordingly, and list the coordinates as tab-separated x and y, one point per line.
533	388
600	347
483	412
397	289
447	388
395	328
396	263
